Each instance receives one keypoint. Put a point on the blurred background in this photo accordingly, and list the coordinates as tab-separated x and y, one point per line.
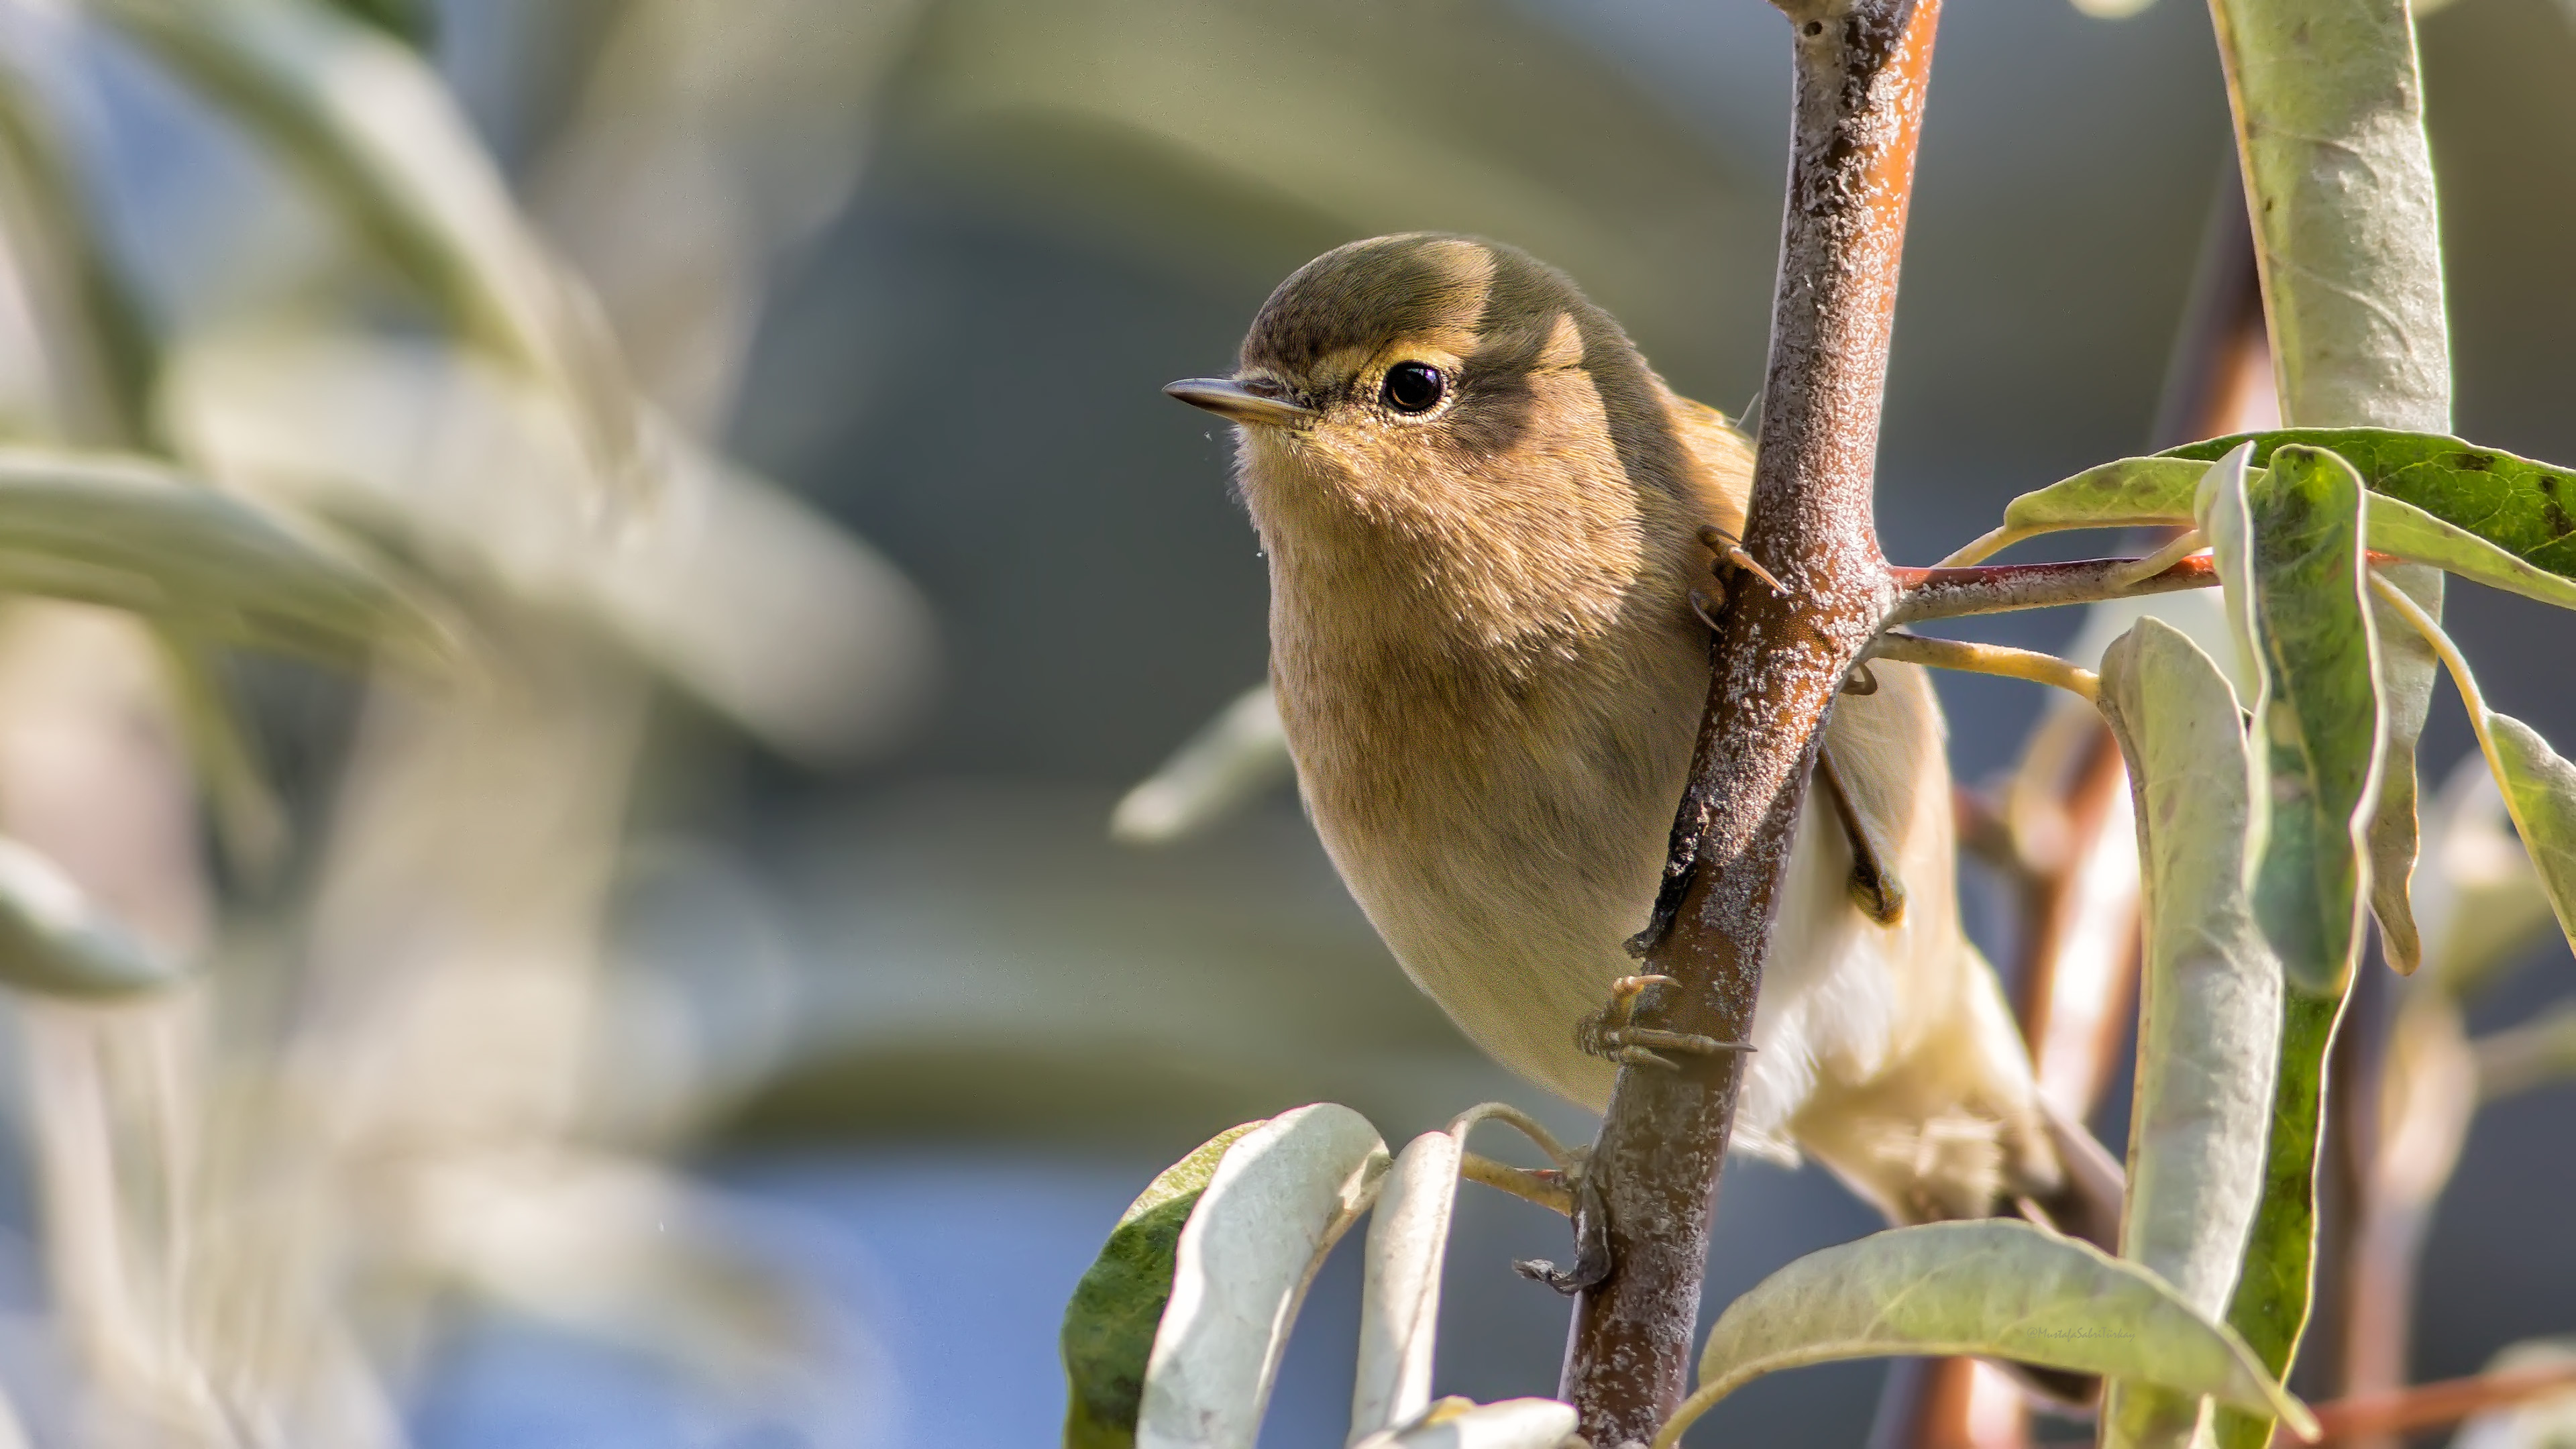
717	1014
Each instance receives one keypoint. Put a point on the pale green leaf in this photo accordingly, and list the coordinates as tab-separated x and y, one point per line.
2329	109
1994	1288
2394	835
133	535
55	940
1279	1199
2209	1000
1109	1323
1408	1239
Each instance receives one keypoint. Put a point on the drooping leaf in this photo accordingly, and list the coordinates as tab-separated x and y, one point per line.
1408	1240
1279	1199
1463	1424
2209	1012
369	123
2287	545
1997	1289
2319	715
2394	835
1109	1325
2524	507
133	535
2538	784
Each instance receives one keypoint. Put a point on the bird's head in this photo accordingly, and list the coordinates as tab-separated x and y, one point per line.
1408	379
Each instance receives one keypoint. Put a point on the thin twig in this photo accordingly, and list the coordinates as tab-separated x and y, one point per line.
2003	588
1546	1188
2427	1406
1565	1158
1996	659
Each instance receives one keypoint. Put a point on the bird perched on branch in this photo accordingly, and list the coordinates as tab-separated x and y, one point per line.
1484	518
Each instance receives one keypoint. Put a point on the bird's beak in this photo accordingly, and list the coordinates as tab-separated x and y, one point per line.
1230	399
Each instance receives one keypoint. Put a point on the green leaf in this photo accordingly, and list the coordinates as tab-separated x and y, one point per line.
1995	1288
1109	1324
2297	567
1280	1198
133	535
2526	508
1174	1335
54	939
2209	1008
2328	104
371	126
2399	527
2120	494
2287	544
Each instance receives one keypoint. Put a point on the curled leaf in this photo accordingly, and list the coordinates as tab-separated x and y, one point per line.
2209	1015
1109	1324
1997	1289
1408	1240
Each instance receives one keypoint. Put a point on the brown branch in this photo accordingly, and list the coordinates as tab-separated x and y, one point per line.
2003	588
2427	1406
1777	660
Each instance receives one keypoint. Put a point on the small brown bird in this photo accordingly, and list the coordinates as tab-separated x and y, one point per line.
1483	516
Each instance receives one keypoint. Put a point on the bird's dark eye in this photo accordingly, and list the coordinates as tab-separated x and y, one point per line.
1414	387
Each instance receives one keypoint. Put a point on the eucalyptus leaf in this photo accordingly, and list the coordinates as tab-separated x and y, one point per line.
1109	1324
1280	1197
2209	1011
133	535
1994	1288
55	940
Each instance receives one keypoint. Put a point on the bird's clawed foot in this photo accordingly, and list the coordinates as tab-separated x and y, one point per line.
1731	555
1612	1033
